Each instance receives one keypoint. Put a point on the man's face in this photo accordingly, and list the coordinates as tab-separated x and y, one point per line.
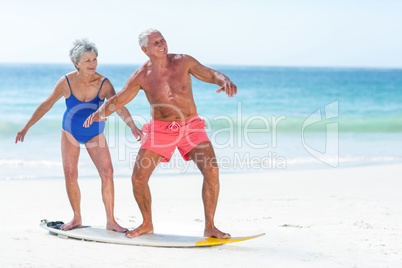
157	46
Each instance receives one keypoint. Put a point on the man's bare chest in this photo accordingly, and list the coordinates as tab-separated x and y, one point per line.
167	85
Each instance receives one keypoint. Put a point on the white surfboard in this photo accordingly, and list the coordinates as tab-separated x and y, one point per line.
89	233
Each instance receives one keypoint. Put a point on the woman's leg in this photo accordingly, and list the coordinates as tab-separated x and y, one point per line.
100	155
70	151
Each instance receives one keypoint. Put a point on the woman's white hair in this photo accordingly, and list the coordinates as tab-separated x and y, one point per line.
143	37
80	47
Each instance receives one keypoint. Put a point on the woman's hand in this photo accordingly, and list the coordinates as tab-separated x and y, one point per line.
138	134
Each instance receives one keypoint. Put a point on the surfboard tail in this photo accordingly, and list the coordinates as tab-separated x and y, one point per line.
210	241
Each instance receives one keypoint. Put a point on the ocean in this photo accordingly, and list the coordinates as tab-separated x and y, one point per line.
283	118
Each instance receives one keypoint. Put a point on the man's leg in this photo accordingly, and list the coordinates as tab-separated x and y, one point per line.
99	152
204	157
70	152
145	164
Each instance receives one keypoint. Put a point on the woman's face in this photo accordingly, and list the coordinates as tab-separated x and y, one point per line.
88	62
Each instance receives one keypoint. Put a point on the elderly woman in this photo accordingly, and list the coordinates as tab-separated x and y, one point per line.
85	91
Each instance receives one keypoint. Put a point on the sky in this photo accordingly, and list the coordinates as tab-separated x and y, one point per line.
342	33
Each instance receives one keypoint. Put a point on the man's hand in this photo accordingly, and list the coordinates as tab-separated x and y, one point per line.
21	135
229	88
93	118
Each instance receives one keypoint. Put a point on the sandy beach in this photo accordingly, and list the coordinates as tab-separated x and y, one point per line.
348	217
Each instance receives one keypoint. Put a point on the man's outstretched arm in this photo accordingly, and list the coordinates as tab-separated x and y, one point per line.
212	76
115	103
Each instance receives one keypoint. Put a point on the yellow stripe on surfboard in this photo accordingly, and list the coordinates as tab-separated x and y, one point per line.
220	241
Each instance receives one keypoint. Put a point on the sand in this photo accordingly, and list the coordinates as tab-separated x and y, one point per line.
350	217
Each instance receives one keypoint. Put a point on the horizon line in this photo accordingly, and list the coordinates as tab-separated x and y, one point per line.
225	65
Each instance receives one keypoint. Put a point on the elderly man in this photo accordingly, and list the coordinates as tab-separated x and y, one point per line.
166	81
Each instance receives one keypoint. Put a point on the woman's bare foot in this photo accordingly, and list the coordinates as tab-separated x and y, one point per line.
114	226
142	229
214	232
75	222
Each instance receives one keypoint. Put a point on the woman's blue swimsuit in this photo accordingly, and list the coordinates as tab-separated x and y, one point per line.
77	112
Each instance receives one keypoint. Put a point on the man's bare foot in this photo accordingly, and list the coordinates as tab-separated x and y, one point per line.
72	224
214	232
142	229
114	226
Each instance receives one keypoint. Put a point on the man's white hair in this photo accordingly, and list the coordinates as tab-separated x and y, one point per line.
143	37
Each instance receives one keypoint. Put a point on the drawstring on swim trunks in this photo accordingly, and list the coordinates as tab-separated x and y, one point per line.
174	126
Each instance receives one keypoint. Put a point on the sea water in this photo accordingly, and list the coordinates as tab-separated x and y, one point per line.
282	118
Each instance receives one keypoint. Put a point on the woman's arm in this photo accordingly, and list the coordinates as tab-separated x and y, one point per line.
126	117
42	109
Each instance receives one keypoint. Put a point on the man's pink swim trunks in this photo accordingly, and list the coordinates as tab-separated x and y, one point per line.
163	137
